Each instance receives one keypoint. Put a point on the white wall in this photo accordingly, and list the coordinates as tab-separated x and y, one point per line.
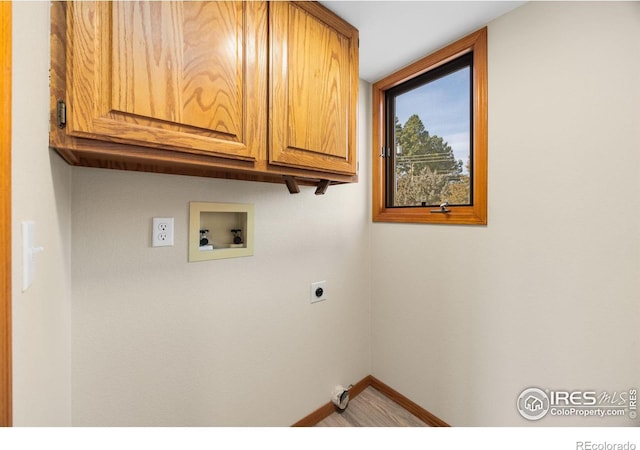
463	318
41	191
163	342
548	294
156	340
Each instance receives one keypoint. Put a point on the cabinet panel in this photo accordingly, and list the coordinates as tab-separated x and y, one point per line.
251	90
184	73
314	86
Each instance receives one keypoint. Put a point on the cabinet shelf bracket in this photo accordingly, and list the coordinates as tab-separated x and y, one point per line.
292	184
322	187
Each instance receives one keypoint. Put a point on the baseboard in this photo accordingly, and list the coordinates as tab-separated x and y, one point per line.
407	404
326	410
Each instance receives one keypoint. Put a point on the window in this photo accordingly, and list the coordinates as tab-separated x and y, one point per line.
430	138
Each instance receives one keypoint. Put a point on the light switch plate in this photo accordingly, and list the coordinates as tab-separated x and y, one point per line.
29	250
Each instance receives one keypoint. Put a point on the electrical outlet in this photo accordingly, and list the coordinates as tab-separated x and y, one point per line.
318	291
162	232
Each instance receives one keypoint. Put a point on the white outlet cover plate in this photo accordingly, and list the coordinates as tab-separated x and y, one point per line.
314	287
162	232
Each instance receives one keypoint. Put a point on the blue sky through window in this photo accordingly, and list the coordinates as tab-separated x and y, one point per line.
443	106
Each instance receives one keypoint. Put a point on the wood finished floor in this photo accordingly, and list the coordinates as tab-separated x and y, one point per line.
372	409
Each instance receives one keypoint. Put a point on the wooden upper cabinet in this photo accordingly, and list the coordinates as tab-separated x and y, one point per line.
252	90
313	88
185	75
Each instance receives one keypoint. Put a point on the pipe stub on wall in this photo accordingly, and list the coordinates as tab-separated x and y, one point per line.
340	397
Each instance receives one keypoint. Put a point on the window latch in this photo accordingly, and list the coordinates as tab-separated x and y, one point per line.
385	152
443	209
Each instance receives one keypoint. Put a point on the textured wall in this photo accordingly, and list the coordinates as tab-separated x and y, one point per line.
465	318
459	319
160	341
41	191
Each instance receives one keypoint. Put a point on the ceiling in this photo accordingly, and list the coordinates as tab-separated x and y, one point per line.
396	33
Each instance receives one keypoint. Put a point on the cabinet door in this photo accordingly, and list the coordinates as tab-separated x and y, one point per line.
313	87
188	76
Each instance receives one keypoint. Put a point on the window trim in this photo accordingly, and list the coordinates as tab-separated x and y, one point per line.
475	214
